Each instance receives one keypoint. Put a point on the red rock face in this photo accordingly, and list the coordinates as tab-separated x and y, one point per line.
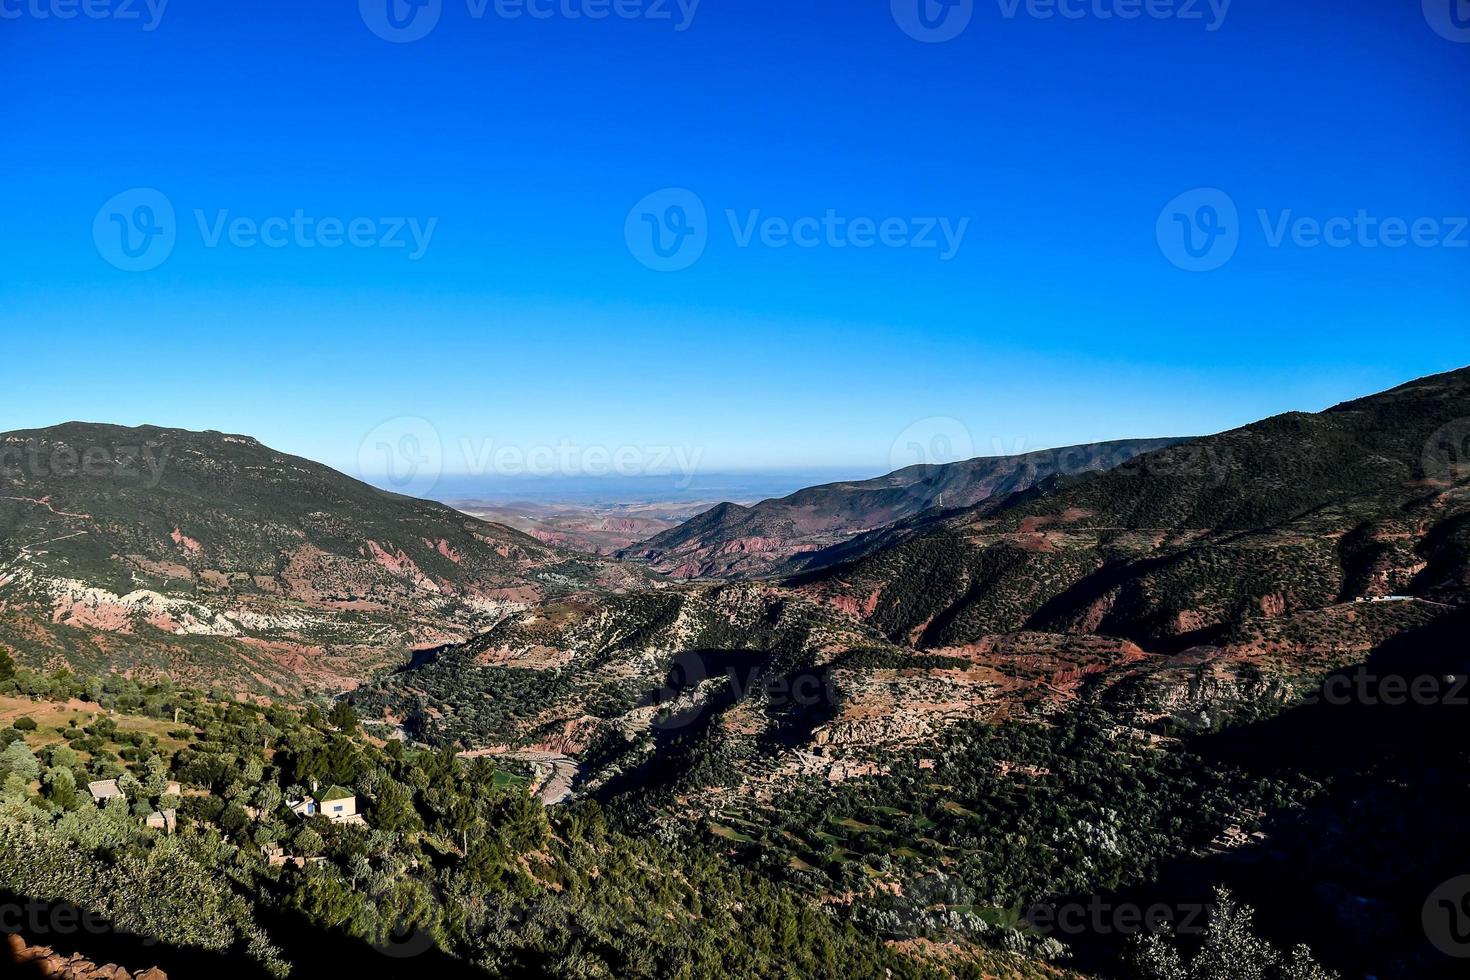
187	543
1273	605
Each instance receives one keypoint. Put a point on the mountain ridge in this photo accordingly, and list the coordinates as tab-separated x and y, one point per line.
1351	485
786	534
168	550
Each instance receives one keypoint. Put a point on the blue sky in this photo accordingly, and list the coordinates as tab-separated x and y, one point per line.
523	145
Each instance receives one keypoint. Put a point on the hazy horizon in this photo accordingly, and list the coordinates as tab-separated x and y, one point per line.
611	489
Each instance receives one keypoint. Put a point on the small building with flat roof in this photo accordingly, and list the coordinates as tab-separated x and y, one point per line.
165	820
339	805
103	790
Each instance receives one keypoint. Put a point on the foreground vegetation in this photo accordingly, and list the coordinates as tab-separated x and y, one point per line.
452	859
456	868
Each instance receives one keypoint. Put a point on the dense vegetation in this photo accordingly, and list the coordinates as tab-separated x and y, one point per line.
455	857
457	863
1005	821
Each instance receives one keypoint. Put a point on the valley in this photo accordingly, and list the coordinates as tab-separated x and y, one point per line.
593	528
1029	688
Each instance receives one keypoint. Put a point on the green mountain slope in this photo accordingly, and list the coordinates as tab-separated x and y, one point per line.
1367	499
217	558
1065	693
797	531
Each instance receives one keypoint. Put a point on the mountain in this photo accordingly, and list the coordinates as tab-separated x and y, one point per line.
792	533
1099	690
1226	568
213	557
1183	545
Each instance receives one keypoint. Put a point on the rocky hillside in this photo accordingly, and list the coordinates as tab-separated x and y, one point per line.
1368	500
615	683
214	557
796	532
1195	581
1064	691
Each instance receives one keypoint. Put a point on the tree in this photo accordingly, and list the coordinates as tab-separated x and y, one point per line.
24	723
234	819
155	782
308	843
63	755
7	665
20	760
60	787
1230	950
130	786
1301	966
393	809
268	798
1156	957
343	718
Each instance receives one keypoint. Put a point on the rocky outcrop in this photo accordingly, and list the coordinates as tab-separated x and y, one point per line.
22	960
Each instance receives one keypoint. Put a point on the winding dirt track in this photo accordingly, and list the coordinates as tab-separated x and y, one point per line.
555	773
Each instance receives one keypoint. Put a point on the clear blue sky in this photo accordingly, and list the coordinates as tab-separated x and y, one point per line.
529	322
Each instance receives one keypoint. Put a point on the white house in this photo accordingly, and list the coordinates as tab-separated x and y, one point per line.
339	805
